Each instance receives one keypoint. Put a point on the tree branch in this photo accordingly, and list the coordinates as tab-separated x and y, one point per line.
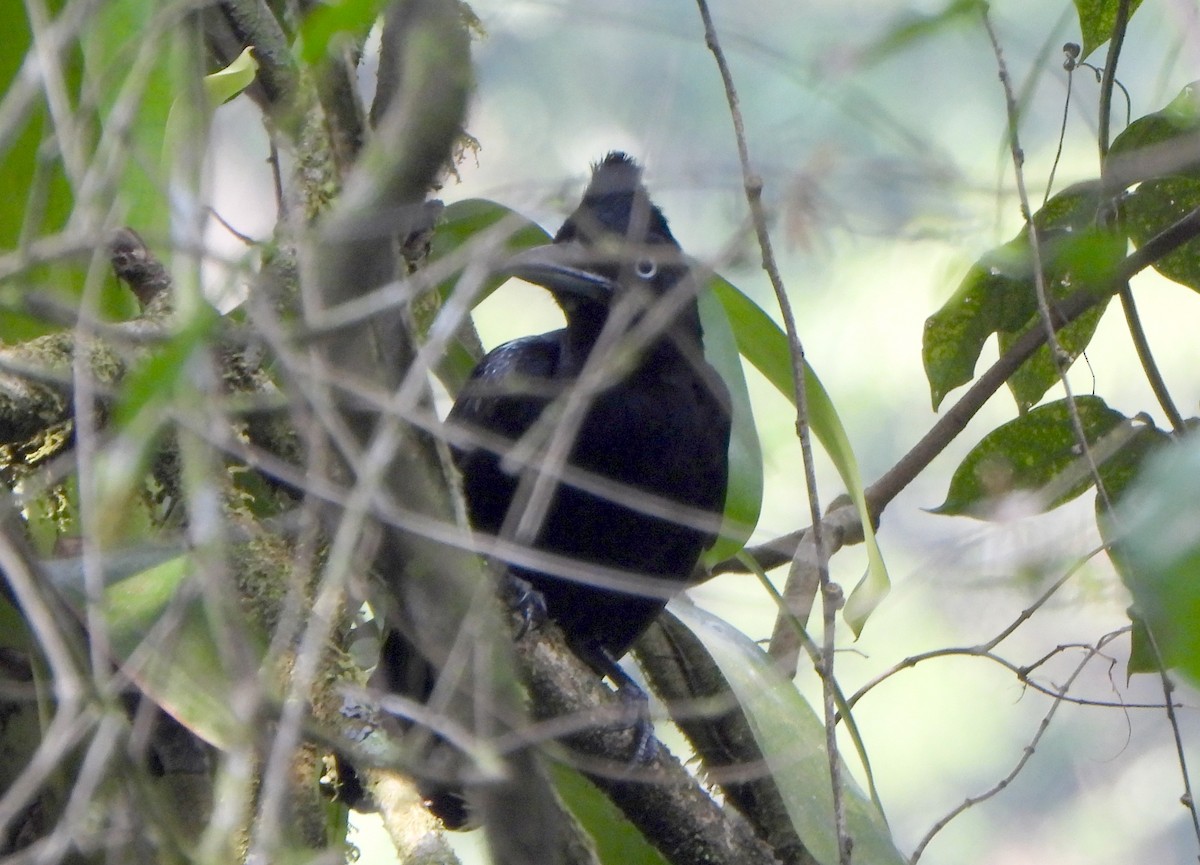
658	796
879	495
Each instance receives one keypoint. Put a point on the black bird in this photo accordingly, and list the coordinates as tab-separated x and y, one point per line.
653	435
657	430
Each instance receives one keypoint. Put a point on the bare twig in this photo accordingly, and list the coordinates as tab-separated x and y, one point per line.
1188	799
1026	756
1136	332
985	647
1109	74
832	599
1146	358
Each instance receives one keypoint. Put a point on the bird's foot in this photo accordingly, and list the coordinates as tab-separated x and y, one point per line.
342	782
526	603
645	746
637	704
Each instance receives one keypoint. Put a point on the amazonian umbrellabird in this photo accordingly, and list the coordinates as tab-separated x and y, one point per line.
657	425
640	419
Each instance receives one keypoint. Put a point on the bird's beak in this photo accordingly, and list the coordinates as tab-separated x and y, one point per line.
561	268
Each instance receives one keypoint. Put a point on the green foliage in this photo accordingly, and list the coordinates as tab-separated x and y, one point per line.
129	67
913	27
1121	468
764	344
1172	125
1157	204
163	636
743	499
1096	20
35	195
219	87
1157	528
1158	146
618	842
224	84
325	23
792	740
999	295
462	223
1039	453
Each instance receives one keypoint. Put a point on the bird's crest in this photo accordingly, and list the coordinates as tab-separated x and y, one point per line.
615	174
614	202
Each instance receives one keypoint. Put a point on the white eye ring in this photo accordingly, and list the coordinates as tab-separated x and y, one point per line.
646	268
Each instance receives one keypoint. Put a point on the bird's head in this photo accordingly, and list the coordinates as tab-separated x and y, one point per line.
615	247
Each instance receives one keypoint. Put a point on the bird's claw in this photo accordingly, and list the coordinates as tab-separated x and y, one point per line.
526	603
645	746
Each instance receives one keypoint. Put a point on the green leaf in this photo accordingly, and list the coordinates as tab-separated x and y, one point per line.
463	225
1096	21
1032	379
1037	453
328	20
1142	658
1158	524
1154	206
224	84
219	87
762	342
160	633
1166	195
912	27
618	842
999	295
1120	474
35	196
169	650
127	70
1174	124
1119	471
792	740
743	499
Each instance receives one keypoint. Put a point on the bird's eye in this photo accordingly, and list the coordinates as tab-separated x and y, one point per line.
646	268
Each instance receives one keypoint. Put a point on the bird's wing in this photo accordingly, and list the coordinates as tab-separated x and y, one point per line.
502	400
509	388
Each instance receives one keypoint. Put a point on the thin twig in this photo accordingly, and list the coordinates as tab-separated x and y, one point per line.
1149	366
1136	332
1189	800
1069	65
1153	375
1109	74
831	594
1057	354
1026	756
779	551
985	647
